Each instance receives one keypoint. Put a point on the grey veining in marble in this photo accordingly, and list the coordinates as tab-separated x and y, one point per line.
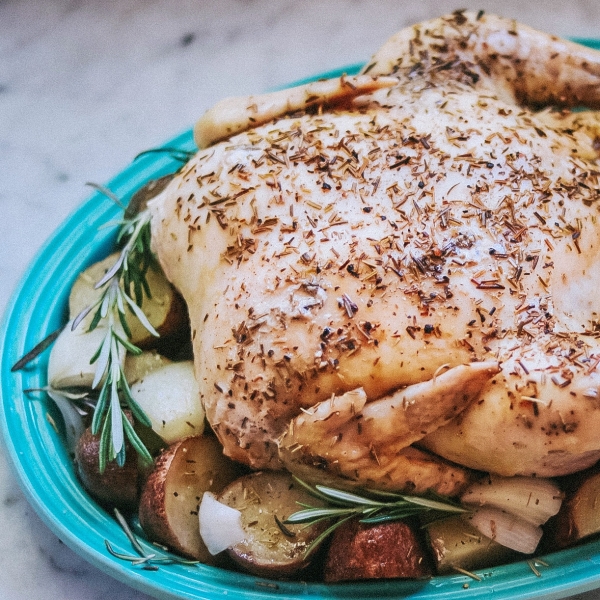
86	85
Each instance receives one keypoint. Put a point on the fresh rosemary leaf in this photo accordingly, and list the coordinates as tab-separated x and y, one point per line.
138	291
345	497
119	555
311	515
145	286
392	515
36	351
445	506
82	315
175	153
383	494
136	443
117	435
141	316
112	271
310	489
344	505
106	192
130	535
143	557
99	410
138	414
107	303
102	359
127	345
323	536
120	457
123	321
104	447
95	319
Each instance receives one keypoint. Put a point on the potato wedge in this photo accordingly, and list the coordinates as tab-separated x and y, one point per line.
165	310
265	500
456	544
579	516
137	366
169	502
379	551
170	398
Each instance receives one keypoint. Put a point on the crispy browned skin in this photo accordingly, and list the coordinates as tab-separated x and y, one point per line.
385	551
117	486
434	224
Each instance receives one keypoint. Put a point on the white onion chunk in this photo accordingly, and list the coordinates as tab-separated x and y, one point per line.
530	498
220	525
506	529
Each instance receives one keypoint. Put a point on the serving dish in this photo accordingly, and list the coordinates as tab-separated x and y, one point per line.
31	428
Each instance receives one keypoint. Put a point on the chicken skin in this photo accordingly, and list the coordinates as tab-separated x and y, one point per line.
406	258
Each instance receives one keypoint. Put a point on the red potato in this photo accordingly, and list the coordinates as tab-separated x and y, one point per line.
579	517
116	486
379	551
171	495
270	548
456	544
165	309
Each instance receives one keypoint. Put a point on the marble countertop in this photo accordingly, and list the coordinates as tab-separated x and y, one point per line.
85	86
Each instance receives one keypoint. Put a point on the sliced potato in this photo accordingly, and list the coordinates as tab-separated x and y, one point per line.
266	499
137	366
69	361
170	398
379	551
165	310
579	516
456	544
171	495
116	486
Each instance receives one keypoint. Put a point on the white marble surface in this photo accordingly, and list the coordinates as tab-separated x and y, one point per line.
86	85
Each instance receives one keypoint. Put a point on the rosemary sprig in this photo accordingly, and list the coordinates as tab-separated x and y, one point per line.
123	286
36	351
175	153
373	507
147	560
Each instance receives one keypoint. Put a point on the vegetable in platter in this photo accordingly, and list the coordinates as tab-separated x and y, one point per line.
374	276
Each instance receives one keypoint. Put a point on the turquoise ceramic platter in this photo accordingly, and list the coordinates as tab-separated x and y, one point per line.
45	471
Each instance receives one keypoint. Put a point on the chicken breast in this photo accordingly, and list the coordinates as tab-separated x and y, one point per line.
377	238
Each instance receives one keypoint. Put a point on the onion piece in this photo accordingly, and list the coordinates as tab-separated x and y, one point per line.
69	361
220	525
74	426
507	529
530	498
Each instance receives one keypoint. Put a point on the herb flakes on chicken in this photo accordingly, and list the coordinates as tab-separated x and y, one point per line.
388	269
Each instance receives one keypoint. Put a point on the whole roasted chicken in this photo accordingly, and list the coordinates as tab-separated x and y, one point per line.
394	276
